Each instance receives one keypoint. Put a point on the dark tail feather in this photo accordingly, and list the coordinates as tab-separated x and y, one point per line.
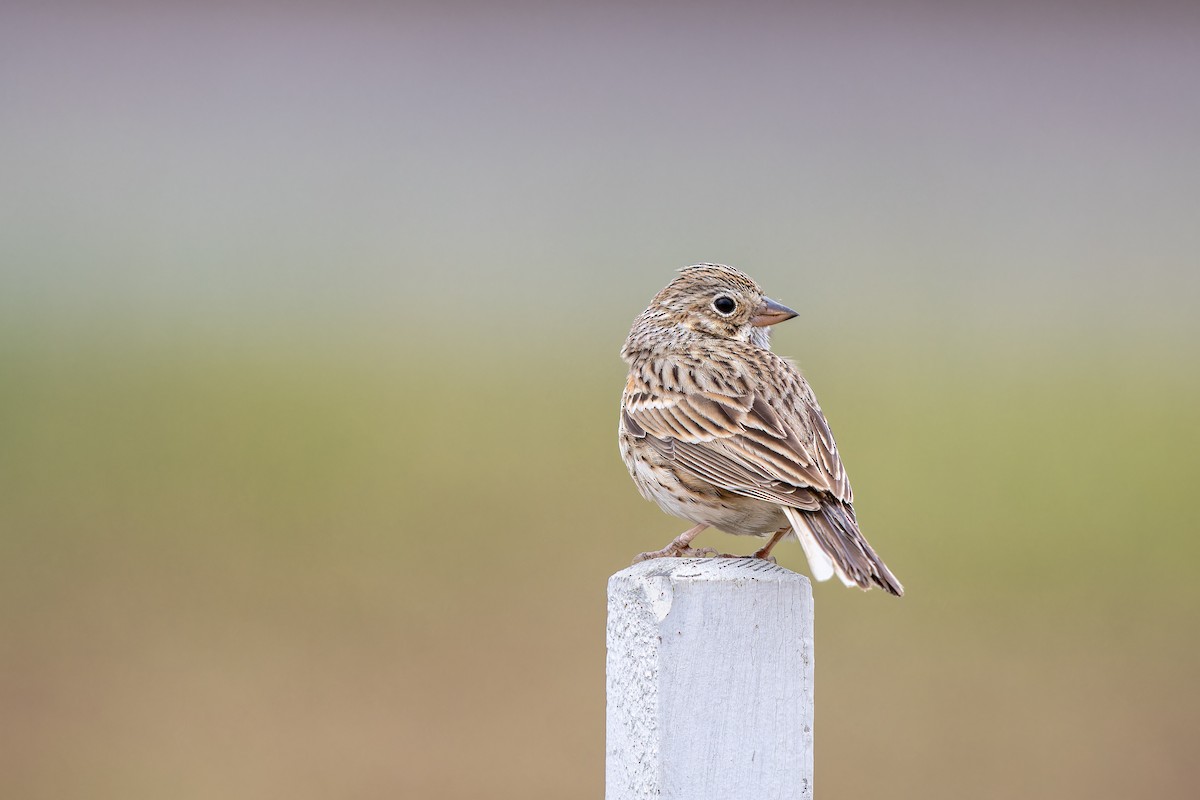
836	531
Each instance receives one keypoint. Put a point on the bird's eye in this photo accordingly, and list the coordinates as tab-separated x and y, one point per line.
724	305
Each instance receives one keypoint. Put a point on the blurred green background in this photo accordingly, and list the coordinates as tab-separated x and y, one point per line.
309	320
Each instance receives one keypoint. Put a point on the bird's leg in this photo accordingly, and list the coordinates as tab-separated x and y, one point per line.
680	547
764	552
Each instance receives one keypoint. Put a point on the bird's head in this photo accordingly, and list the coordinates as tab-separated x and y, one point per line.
720	301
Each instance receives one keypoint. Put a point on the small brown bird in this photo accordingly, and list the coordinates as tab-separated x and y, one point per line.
718	430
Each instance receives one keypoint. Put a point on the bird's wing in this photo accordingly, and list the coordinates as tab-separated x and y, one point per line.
743	443
759	434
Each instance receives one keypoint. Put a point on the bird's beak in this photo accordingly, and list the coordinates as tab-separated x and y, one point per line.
770	313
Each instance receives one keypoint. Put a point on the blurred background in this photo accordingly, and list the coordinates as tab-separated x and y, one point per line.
309	321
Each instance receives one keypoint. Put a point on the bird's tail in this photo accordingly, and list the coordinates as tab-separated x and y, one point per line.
833	544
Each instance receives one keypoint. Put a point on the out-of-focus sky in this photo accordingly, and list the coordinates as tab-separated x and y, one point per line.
1016	164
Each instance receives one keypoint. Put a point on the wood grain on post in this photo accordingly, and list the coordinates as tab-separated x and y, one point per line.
710	681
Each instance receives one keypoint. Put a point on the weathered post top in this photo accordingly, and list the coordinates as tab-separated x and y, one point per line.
710	681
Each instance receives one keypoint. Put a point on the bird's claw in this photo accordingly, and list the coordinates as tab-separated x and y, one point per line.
682	551
767	557
676	551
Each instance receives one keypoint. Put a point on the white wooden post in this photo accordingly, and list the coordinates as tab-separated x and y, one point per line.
710	681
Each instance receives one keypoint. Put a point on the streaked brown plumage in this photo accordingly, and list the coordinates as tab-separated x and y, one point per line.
717	429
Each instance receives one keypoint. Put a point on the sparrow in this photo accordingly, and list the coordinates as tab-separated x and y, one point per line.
718	430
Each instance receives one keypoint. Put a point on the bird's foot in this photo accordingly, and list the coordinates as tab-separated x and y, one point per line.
674	550
759	554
